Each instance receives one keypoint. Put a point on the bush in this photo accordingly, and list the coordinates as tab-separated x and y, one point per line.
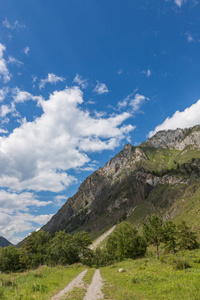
181	264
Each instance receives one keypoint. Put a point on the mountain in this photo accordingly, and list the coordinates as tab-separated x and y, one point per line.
4	242
161	176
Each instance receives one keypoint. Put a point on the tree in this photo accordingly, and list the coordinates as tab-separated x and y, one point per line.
170	236
125	242
153	231
187	239
9	259
63	249
34	251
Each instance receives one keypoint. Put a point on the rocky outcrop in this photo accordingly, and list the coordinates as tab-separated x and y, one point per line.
175	139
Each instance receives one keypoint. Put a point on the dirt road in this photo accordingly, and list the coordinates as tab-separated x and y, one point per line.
93	290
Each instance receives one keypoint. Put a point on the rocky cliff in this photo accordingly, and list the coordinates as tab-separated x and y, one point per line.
137	181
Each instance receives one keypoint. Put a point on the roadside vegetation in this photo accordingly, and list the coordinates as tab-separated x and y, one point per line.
41	283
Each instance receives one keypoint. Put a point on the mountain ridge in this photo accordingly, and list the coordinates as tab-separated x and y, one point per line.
168	163
4	242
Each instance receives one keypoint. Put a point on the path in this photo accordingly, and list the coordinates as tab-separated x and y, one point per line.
76	282
94	289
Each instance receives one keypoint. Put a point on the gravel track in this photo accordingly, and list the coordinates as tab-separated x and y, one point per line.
94	289
76	282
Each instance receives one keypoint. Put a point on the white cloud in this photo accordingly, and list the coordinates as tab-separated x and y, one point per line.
3	130
51	78
100	88
60	200
7	109
26	50
133	100
3	66
12	202
187	118
56	142
83	83
13	26
137	101
179	2
3	93
13	60
22	96
12	224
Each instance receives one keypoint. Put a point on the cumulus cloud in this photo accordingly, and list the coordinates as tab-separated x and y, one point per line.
100	88
187	118
51	78
83	83
56	142
4	73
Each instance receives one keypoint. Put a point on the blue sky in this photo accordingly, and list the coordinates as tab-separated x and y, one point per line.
80	79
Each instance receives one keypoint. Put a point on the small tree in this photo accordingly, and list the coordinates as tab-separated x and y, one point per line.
170	236
153	231
125	242
9	259
187	239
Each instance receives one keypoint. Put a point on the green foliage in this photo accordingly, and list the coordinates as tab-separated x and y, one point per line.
125	242
34	251
153	231
187	239
170	236
63	249
9	259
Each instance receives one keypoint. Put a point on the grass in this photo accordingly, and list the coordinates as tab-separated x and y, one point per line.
172	277
41	284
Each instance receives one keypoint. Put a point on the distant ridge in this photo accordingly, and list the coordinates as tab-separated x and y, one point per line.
4	242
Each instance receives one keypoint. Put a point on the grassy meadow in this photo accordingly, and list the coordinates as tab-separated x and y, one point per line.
40	284
174	276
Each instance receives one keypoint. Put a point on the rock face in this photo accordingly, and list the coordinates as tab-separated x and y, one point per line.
175	139
152	173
